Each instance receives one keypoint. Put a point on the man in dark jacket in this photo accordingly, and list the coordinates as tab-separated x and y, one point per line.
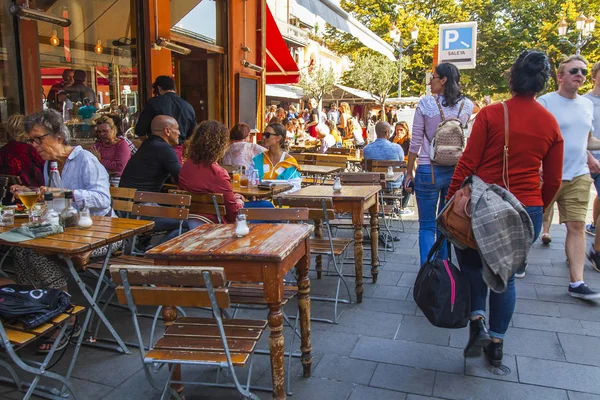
167	102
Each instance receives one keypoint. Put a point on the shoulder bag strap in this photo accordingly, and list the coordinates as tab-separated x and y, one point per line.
437	101
505	150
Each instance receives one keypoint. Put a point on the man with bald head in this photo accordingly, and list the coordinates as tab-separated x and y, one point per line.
155	160
382	148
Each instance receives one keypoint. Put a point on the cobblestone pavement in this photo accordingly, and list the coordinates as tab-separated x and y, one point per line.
384	348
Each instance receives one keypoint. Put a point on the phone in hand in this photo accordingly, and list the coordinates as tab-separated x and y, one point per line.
410	184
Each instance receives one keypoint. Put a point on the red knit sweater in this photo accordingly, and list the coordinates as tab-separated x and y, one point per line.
534	140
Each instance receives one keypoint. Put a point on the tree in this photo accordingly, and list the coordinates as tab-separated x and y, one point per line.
318	82
375	74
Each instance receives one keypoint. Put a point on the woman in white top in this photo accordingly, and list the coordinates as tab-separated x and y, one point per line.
354	133
327	139
241	151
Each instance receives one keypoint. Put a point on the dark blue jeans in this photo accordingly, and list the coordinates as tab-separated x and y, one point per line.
502	305
430	201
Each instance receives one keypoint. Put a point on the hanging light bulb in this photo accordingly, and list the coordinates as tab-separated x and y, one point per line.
54	40
98	49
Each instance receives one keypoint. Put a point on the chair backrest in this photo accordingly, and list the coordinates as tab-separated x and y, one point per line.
206	203
363	178
318	209
340	150
332	160
185	286
305	158
122	199
168	205
12	179
383	165
275	214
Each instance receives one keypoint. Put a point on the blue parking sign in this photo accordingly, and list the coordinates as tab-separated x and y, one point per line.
458	44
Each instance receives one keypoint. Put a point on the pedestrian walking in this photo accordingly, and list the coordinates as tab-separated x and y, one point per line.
594	165
534	139
575	116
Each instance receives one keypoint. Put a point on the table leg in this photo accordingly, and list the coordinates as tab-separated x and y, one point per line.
169	315
304	308
319	258
358	259
276	348
374	242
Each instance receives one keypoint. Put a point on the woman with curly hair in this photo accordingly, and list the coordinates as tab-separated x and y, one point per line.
201	174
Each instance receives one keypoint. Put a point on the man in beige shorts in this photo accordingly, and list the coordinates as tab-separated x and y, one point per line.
574	115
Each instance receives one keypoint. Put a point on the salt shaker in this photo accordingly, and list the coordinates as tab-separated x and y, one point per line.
337	184
241	226
390	172
85	220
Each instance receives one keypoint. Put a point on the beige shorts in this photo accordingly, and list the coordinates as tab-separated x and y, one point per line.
572	199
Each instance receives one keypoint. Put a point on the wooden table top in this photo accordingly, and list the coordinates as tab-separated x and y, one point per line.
319	169
265	242
262	193
397	176
303	147
347	193
76	240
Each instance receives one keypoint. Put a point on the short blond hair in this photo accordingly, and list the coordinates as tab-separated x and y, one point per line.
595	69
14	128
567	59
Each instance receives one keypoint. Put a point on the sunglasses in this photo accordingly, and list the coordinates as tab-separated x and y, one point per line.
268	134
37	140
574	71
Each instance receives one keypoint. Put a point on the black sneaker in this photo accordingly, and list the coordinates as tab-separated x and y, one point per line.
594	257
583	292
521	271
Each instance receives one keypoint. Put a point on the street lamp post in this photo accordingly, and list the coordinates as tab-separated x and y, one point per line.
396	37
584	25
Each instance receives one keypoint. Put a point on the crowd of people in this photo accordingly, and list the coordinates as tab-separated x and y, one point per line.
550	162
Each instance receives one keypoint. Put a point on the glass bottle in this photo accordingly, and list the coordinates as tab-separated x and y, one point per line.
55	181
85	219
69	216
241	226
51	216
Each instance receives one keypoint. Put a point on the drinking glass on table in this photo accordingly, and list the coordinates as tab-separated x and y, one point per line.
28	196
235	178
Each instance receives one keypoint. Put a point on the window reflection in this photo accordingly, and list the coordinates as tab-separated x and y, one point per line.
9	87
194	18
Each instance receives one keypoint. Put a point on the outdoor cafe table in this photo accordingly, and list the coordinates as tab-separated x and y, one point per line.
319	169
265	255
301	148
261	194
355	200
78	241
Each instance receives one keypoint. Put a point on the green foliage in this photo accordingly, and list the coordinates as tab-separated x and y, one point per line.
505	28
375	74
317	82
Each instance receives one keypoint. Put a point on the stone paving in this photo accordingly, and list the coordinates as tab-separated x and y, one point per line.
385	349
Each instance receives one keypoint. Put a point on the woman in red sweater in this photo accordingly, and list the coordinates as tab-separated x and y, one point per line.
534	140
201	174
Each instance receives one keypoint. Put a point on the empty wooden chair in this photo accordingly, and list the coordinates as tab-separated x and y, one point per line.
332	160
204	204
189	340
122	200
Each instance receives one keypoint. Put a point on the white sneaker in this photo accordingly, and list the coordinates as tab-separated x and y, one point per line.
406	211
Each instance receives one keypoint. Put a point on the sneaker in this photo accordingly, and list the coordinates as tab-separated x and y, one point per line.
521	271
595	259
590	229
546	238
583	292
406	211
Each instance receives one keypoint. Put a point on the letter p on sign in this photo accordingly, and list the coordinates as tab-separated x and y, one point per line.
451	36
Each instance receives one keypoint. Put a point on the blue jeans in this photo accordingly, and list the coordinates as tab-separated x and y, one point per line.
502	305
596	178
430	201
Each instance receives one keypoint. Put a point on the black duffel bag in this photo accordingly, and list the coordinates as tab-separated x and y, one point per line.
32	306
441	291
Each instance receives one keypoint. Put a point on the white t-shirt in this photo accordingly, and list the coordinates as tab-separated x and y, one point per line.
596	102
575	118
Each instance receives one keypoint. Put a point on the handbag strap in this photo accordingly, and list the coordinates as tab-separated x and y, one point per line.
505	150
435	249
437	101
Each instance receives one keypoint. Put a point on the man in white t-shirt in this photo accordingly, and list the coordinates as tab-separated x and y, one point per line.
574	115
594	165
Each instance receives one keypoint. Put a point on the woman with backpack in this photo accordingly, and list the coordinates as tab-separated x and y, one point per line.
534	139
431	181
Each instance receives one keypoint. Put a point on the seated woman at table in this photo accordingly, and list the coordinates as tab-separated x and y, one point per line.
19	158
112	151
354	133
327	139
201	174
241	151
334	132
80	172
275	163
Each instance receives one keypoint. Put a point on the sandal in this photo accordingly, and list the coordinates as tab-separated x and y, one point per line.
546	238
72	332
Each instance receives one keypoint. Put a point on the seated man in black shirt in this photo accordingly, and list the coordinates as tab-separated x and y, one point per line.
153	163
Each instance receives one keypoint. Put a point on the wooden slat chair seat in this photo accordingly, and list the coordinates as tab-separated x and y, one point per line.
321	211
253	293
332	160
207	204
305	158
15	337
190	340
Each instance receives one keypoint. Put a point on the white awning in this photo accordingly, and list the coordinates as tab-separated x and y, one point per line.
284	91
337	17
345	93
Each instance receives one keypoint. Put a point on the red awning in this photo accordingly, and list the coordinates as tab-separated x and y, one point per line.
281	67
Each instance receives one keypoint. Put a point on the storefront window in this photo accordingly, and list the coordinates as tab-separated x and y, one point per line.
90	67
9	87
197	19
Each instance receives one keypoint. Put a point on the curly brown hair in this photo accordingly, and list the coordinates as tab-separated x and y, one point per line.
208	143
